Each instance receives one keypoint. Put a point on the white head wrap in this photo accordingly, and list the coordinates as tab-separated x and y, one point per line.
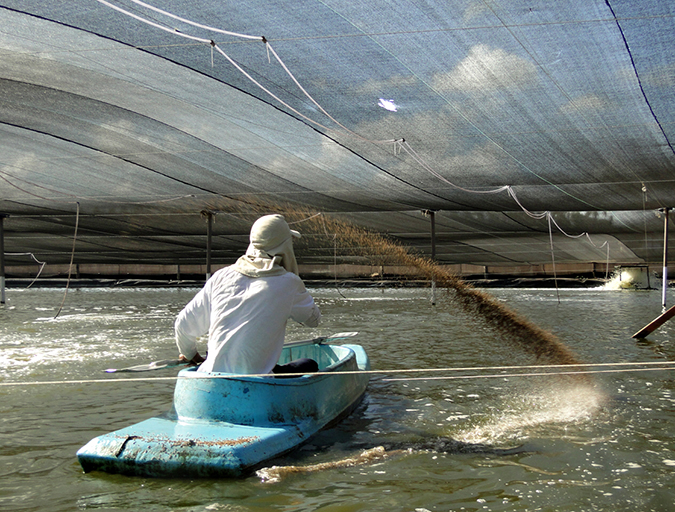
270	252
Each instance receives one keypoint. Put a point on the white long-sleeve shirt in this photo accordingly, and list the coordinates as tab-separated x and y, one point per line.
246	320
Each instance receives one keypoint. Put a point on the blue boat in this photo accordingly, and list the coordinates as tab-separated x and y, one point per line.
222	425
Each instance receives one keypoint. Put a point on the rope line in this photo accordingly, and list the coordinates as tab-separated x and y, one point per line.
333	238
195	24
72	258
41	263
280	61
397	143
650	367
540	374
42	267
403	144
269	48
152	23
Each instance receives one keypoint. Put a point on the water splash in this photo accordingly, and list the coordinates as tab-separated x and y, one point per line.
629	278
379	250
562	405
322	232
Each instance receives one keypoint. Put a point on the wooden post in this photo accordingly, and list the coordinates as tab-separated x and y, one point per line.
655	324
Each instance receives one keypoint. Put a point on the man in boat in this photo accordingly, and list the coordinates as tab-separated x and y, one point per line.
245	307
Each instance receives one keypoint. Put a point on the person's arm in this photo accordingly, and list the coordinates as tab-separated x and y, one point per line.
305	311
314	317
191	323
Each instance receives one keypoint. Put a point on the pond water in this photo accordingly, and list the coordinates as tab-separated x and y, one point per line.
524	442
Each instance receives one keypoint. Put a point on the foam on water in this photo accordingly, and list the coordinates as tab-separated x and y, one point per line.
79	318
276	473
26	356
498	433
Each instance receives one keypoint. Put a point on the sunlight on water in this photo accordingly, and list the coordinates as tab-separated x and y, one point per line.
605	446
95	318
34	343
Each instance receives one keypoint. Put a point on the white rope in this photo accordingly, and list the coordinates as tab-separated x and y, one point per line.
41	263
530	214
549	216
195	24
563	232
644	215
302	89
316	103
153	24
650	367
42	266
305	219
4	177
263	88
541	374
398	143
84	381
403	144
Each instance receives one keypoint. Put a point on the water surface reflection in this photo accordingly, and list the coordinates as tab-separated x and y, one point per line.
609	446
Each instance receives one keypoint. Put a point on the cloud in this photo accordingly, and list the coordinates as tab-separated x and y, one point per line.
395	82
487	69
474	11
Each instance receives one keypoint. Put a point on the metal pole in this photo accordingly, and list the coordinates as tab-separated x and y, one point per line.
209	229
665	257
433	235
432	218
2	259
433	256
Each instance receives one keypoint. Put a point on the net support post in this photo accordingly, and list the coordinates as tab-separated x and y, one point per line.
2	257
432	218
666	212
209	233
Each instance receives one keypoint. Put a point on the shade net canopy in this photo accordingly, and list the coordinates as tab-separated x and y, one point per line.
531	130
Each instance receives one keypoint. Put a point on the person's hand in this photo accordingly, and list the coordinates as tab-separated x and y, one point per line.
197	359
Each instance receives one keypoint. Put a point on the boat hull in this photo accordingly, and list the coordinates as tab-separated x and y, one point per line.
226	426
